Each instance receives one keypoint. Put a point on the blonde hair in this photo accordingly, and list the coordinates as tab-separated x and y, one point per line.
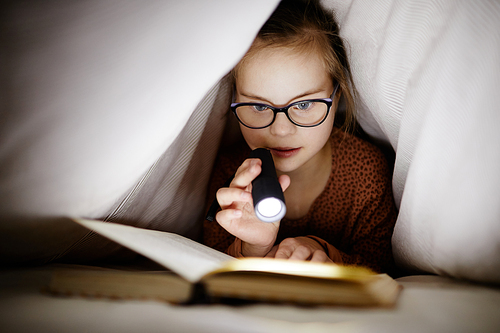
307	27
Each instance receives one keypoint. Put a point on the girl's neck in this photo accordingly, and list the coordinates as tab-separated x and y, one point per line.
307	183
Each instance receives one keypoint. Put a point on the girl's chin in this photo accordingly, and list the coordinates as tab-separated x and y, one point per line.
285	167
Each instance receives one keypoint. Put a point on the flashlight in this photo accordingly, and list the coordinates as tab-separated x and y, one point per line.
268	198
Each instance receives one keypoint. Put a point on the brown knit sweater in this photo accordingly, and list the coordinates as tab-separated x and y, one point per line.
355	214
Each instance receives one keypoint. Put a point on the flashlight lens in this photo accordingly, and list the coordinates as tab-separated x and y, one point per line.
269	207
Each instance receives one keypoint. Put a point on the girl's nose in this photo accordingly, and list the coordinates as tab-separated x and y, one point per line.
282	125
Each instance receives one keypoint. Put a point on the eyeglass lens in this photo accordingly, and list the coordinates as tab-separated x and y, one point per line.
305	113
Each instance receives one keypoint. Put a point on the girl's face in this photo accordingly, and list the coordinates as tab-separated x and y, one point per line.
278	77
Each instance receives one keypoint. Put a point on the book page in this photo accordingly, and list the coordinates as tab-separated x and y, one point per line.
188	258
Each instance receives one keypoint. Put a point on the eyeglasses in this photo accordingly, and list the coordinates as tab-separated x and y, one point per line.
307	113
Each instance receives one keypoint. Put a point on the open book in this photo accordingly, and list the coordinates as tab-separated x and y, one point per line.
199	272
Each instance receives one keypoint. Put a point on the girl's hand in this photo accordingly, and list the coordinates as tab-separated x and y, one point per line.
299	248
238	216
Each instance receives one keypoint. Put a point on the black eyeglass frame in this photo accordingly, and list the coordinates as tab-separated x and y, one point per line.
327	101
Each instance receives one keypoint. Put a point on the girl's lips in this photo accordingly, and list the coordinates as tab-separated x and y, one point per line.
284	152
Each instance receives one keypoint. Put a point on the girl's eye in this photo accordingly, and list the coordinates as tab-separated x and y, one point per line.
303	105
260	108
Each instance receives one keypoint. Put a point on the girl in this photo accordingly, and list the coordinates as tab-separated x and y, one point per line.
337	187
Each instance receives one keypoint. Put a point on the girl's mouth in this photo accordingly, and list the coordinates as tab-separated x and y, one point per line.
284	152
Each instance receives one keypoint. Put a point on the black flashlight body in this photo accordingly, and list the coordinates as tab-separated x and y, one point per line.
268	198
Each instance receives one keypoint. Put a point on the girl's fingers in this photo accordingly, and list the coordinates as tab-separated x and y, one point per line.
285	249
300	253
272	253
320	256
226	216
227	196
239	188
300	248
283	253
303	253
246	173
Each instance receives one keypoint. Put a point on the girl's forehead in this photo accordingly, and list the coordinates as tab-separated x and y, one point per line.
300	50
282	54
280	74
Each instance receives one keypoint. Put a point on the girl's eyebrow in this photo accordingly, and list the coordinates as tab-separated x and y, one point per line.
307	93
